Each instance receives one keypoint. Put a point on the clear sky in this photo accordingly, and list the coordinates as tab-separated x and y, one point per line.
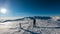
30	7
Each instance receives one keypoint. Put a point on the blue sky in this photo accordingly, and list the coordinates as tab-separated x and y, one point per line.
31	7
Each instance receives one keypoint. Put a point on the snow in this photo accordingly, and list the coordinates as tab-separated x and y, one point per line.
26	27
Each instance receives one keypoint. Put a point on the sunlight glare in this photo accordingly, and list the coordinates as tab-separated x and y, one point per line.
3	10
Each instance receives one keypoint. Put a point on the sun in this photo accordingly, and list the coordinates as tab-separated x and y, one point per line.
3	10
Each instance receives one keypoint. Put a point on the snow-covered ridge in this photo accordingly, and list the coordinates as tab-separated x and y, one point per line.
25	25
55	18
40	21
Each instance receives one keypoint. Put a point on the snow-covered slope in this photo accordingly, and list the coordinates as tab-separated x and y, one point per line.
43	25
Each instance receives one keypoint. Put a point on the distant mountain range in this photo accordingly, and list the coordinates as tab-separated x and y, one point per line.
34	17
40	17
